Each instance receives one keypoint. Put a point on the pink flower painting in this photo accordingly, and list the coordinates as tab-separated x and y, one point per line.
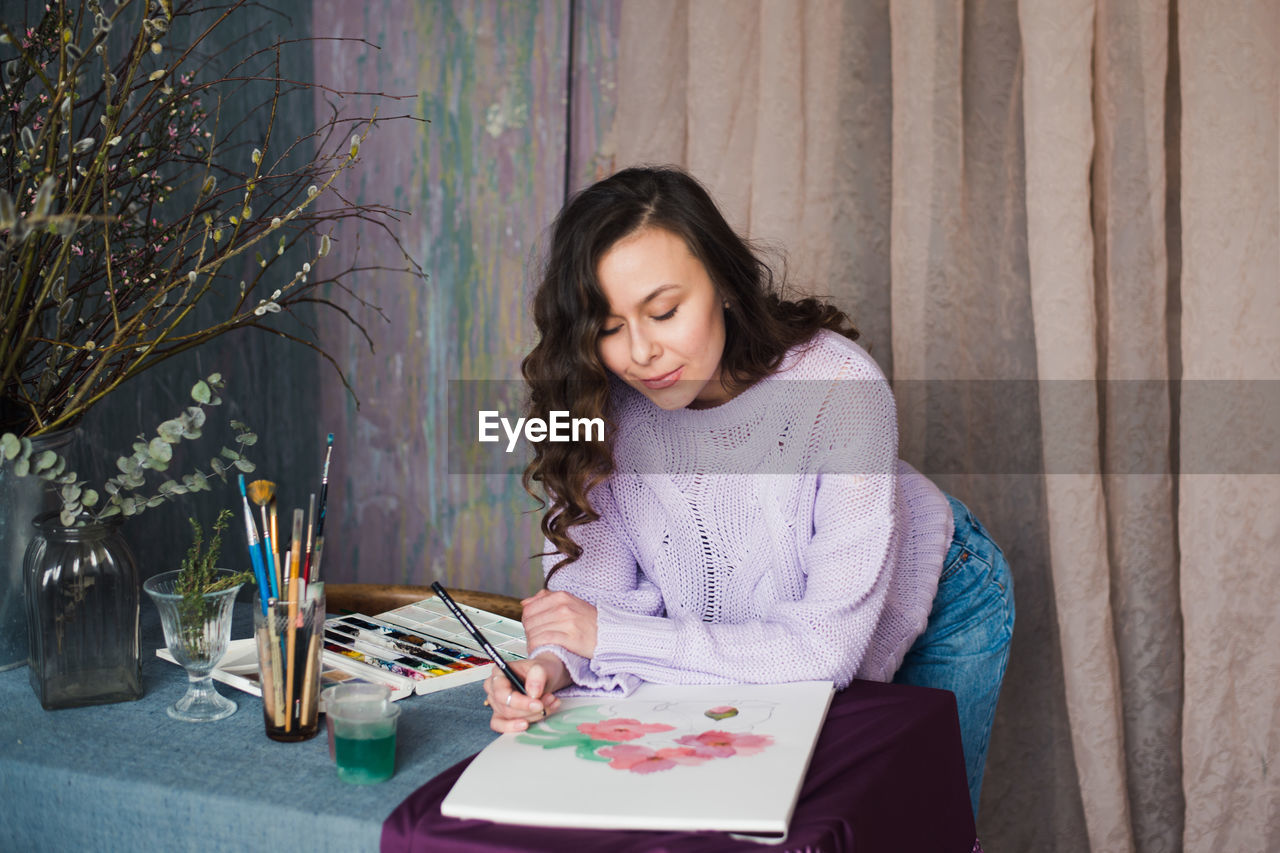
644	759
620	729
717	744
721	712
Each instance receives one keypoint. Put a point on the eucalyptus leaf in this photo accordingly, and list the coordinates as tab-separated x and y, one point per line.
171	430
67	517
113	509
10	446
245	465
229	453
112	488
201	393
155	502
70	493
215	379
160	450
248	439
200	483
217	466
21	467
197	416
89	498
44	460
59	467
125	464
167	486
128	506
26	448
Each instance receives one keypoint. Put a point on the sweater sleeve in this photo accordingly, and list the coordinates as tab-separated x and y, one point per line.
823	633
606	576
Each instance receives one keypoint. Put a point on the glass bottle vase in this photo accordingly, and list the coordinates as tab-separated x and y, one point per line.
21	499
82	614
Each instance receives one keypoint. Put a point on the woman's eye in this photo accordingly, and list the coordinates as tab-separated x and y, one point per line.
604	333
668	315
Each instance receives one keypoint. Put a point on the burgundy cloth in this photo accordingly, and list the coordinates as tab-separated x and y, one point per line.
887	775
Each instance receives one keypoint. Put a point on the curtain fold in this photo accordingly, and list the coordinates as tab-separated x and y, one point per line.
1228	527
1042	215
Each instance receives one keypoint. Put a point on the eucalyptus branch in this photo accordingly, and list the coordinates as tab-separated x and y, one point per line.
128	491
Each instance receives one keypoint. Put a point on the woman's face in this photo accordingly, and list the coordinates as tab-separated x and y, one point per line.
665	332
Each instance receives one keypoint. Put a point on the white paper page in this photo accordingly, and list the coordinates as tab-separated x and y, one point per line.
720	757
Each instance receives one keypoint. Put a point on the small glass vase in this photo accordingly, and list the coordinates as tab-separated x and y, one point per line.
197	632
82	614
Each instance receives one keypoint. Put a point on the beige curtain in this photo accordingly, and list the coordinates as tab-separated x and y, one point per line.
1039	212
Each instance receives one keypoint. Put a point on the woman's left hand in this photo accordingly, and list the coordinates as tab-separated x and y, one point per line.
560	619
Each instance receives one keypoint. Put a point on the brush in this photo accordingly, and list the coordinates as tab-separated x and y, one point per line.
311	517
309	706
255	553
316	556
314	572
295	556
295	552
282	574
263	492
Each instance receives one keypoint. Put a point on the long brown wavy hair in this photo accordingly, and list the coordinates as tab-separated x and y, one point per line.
564	371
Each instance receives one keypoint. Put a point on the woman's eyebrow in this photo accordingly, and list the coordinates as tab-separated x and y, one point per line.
657	291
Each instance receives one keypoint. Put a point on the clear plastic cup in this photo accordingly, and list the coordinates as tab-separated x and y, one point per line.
352	690
364	737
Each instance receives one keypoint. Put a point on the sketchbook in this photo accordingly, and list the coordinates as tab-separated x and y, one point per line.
416	649
720	757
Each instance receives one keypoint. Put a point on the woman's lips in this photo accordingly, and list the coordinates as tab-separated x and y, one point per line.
664	381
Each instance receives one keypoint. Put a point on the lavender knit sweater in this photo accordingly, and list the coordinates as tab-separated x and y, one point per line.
776	537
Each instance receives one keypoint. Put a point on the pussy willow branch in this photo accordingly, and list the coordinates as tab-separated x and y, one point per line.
133	324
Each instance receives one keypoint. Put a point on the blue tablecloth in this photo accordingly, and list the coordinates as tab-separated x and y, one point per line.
127	777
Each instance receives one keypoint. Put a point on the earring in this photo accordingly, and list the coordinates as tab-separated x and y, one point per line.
726	303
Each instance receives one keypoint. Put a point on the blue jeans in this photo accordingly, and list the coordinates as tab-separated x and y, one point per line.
965	645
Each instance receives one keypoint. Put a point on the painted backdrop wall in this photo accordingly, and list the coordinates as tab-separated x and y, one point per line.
510	131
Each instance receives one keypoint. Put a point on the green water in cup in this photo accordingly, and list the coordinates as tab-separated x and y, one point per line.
364	738
365	760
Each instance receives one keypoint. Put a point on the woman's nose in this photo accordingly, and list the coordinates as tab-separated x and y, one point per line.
644	348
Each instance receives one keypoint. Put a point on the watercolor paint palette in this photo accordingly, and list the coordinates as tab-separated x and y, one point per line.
239	669
416	649
422	662
432	618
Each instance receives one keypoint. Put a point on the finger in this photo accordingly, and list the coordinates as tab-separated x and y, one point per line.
535	682
539	594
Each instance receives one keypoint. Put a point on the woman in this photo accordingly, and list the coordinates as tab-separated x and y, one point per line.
747	518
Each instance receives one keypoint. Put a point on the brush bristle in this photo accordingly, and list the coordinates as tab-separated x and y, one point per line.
261	491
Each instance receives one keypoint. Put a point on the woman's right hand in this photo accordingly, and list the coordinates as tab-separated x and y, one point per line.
513	711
